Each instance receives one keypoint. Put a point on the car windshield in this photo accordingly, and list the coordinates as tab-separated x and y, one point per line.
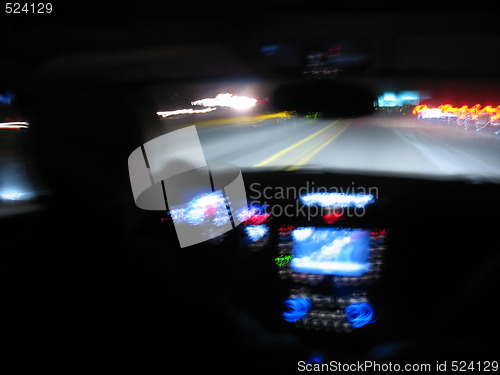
438	130
434	88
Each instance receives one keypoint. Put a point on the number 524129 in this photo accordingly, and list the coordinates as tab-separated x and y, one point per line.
19	8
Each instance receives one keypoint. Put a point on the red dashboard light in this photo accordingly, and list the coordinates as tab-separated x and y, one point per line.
257	219
287	228
332	217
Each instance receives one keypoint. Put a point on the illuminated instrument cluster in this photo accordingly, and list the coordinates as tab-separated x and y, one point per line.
341	264
328	269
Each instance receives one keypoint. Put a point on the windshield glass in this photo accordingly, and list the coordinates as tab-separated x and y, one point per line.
435	87
440	130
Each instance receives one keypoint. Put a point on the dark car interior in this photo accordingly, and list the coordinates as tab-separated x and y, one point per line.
96	285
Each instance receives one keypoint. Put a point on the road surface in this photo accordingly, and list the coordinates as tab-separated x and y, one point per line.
381	144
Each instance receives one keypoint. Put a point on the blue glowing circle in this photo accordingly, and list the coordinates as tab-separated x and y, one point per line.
359	314
297	309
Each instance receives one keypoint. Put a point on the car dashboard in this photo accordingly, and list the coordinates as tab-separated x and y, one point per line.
403	285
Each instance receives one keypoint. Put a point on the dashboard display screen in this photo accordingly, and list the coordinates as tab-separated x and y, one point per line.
331	251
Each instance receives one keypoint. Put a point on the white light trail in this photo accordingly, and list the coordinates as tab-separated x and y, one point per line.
184	111
227	100
14	125
305	265
11	195
337	199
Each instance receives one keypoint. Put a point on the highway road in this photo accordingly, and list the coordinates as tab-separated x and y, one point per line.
384	144
380	144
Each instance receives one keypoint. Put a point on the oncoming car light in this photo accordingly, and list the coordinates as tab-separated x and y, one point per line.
447	110
11	195
14	125
187	111
227	100
16	195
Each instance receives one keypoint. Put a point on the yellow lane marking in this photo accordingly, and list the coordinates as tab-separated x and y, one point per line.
295	145
312	154
302	151
247	119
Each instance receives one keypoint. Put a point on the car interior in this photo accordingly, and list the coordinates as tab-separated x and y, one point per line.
377	245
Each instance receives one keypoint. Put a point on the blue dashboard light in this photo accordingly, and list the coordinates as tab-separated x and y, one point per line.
7	98
316	358
359	314
297	309
208	207
269	50
331	251
337	199
256	232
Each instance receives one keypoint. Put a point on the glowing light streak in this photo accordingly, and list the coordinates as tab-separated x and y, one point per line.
391	99
184	112
14	125
359	314
432	113
257	219
307	265
201	209
7	98
312	115
447	110
227	100
246	213
337	199
283	259
332	217
419	109
178	215
297	308
287	228
252	215
11	195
